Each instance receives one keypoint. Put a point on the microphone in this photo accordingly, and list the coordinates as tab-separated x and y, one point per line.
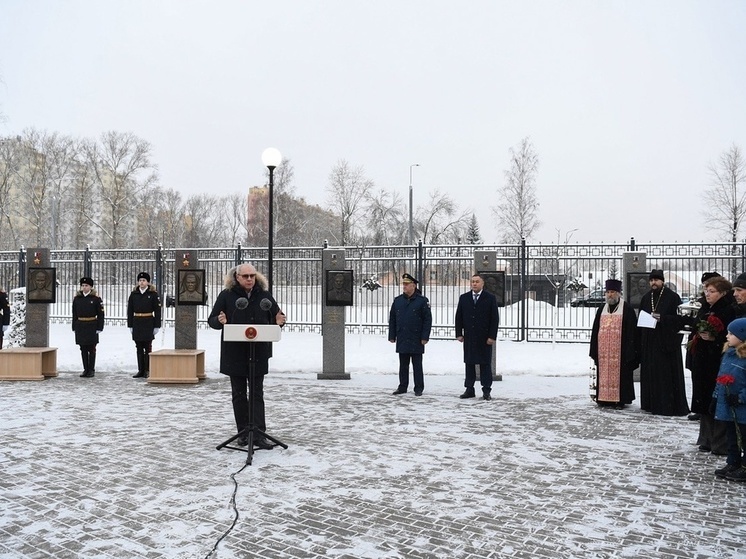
242	303
265	304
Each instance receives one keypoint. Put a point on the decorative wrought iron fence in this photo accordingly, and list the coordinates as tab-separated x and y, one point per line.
539	304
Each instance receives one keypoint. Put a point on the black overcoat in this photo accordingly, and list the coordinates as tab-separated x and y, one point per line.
88	318
477	323
4	311
237	358
662	390
148	303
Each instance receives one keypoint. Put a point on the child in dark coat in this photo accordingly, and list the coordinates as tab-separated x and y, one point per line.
730	400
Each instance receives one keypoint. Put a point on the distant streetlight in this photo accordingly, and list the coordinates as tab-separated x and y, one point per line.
411	223
271	158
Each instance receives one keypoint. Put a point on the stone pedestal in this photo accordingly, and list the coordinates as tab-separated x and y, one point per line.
185	364
28	363
332	322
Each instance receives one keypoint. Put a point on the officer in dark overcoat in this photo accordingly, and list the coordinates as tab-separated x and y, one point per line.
410	320
144	321
477	320
246	300
88	322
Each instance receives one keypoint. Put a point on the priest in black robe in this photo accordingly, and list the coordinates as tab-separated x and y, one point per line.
614	348
662	390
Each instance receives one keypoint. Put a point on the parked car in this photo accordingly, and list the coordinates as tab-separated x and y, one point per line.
593	299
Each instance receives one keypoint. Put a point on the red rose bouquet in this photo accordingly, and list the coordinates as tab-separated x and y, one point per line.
711	325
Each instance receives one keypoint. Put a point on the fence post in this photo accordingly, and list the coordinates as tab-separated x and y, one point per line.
87	264
522	256
420	265
22	267
159	269
237	258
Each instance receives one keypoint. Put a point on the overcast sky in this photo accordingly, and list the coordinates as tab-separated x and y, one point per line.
626	102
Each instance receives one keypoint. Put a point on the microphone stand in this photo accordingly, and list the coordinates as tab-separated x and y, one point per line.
249	430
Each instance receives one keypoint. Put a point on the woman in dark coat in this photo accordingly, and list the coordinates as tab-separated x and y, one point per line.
144	321
88	321
703	357
245	300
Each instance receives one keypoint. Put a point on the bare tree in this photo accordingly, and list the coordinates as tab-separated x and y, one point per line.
385	221
439	221
10	163
725	200
517	212
348	189
236	218
122	172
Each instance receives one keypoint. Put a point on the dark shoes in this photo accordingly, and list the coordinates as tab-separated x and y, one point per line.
737	475
87	374
469	393
486	396
398	391
704	448
418	392
263	443
140	375
727	469
243	440
693	417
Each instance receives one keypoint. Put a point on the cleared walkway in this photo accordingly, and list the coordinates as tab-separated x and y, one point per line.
113	467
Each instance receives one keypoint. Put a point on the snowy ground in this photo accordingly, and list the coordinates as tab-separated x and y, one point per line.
117	467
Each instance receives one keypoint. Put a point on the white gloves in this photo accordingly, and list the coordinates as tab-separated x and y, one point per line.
155	331
5	327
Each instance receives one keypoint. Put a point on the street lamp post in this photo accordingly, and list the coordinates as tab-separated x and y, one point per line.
411	223
271	157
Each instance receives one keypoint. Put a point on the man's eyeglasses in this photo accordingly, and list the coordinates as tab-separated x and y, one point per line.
247	276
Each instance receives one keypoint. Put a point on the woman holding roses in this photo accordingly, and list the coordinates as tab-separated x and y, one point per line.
704	352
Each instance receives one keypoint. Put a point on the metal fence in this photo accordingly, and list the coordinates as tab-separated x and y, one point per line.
538	301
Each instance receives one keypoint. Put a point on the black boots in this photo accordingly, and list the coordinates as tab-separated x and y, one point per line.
143	363
89	363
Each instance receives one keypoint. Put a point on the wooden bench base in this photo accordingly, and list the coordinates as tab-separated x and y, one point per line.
177	366
28	363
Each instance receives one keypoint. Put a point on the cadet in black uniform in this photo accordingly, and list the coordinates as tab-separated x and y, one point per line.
144	321
88	322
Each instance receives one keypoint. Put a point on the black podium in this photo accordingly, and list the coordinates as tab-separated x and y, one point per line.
250	333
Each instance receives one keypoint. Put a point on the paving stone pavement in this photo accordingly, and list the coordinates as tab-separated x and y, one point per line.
116	468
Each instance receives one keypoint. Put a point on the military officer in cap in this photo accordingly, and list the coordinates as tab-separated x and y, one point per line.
88	322
409	328
144	321
4	314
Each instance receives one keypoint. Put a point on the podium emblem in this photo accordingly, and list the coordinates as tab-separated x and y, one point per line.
251	332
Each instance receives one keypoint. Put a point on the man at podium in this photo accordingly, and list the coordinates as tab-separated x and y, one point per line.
245	300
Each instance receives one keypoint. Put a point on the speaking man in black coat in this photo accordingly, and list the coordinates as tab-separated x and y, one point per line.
245	300
477	320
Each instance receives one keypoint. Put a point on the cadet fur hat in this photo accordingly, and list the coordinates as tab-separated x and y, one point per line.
613	285
738	328
87	281
143	275
740	281
406	278
656	274
709	275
